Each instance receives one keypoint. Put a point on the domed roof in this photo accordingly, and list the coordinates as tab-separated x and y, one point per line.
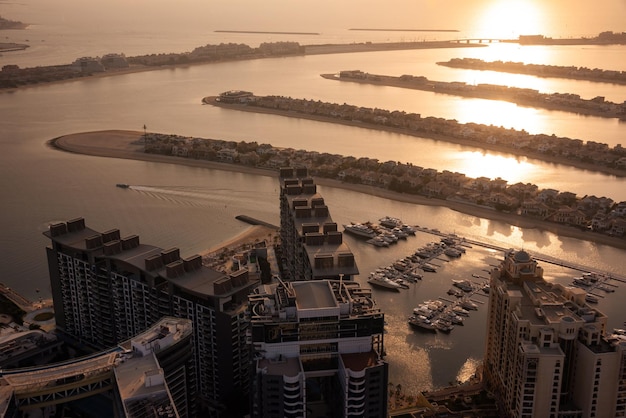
522	257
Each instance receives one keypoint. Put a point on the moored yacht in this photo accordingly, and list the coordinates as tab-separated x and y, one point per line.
384	282
360	230
422	324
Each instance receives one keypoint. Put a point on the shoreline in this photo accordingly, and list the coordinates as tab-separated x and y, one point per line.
125	144
508	95
313	49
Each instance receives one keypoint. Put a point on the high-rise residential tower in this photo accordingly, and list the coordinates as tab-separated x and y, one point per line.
312	246
107	289
546	350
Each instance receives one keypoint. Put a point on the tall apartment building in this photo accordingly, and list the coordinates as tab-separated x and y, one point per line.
313	248
546	350
107	289
317	350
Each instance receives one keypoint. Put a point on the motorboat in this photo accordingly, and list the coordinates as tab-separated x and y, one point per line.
390	222
468	305
455	292
422	324
464	285
378	242
428	267
452	252
360	230
443	325
452	318
384	282
460	311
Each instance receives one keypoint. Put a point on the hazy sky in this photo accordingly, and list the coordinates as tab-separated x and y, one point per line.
502	17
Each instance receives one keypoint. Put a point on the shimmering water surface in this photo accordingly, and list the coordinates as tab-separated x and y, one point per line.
193	209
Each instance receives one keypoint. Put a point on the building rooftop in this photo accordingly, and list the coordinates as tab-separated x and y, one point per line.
282	366
166	332
142	388
314	295
279	302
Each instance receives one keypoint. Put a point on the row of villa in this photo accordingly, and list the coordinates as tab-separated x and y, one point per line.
565	101
542	70
541	146
600	214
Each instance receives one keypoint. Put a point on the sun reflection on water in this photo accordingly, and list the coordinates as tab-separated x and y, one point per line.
468	369
476	164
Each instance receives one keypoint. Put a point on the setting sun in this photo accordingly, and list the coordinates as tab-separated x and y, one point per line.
509	19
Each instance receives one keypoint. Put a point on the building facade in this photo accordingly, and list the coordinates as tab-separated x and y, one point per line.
546	353
317	351
107	289
144	376
313	248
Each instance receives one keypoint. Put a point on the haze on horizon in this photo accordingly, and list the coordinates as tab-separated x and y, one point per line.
492	18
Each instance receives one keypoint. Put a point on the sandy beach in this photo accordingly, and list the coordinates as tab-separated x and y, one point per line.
128	145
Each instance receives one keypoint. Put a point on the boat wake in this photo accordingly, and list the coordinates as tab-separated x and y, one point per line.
192	195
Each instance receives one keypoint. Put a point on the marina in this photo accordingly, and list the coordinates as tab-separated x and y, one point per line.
464	295
383	234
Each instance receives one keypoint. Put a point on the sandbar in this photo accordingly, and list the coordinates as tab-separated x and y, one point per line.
128	145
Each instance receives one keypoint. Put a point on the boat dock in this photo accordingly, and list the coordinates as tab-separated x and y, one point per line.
540	257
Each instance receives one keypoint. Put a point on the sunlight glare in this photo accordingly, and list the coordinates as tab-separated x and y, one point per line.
476	164
499	113
507	19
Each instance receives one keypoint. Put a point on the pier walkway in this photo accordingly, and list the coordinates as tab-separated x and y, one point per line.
603	275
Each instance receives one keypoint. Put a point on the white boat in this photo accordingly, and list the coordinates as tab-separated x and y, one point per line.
424	253
422	324
390	222
428	267
591	298
468	305
460	311
423	311
378	242
384	282
452	252
464	285
452	317
389	237
360	230
408	229
443	325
